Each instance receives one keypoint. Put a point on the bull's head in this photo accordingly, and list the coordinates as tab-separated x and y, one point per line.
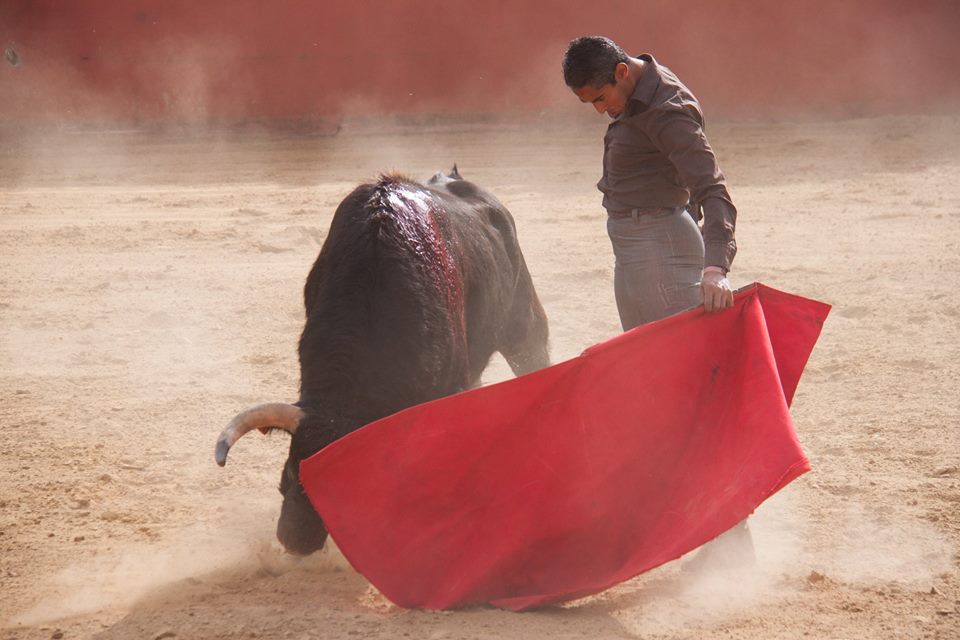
300	530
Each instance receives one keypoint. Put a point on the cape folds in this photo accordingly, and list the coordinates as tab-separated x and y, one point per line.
566	481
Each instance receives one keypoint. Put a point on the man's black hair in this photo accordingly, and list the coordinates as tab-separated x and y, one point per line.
591	60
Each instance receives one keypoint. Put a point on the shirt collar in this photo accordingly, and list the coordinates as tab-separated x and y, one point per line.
647	85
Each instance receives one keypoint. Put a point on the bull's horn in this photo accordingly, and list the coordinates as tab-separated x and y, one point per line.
273	415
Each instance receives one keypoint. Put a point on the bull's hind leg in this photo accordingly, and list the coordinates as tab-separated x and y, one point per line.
525	344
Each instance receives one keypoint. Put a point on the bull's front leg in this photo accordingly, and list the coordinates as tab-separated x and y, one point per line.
526	345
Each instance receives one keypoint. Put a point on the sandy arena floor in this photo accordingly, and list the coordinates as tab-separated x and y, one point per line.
151	288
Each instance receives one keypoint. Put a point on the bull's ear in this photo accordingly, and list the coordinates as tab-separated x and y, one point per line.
455	174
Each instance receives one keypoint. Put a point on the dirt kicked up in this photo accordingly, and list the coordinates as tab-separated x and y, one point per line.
151	288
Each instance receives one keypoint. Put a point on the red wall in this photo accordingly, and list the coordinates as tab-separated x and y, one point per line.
197	60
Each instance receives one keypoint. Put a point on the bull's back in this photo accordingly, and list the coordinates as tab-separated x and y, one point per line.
386	324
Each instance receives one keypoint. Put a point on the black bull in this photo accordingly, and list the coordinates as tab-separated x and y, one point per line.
414	289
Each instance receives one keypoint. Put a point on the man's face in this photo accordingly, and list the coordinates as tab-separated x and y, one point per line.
609	98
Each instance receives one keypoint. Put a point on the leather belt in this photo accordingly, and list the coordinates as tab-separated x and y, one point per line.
637	212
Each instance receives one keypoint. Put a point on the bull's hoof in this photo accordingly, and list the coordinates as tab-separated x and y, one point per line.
276	562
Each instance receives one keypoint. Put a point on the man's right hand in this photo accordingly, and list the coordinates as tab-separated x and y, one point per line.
715	291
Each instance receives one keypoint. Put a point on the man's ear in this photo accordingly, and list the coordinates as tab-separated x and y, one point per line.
621	71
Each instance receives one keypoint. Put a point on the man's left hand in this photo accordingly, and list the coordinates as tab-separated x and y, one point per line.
715	291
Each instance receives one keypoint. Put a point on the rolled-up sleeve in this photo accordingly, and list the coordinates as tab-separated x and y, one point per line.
679	136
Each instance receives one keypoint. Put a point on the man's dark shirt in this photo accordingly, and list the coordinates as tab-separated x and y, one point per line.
655	154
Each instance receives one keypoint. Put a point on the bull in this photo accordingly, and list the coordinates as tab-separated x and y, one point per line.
415	287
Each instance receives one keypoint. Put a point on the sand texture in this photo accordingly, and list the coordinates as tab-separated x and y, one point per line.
150	288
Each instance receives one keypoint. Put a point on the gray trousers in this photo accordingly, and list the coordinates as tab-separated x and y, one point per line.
659	263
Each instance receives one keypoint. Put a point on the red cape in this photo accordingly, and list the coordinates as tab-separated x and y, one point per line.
566	481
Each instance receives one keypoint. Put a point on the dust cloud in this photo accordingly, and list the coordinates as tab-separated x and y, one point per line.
187	63
687	594
869	548
127	574
861	549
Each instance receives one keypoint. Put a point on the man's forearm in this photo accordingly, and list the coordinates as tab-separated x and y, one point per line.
719	222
